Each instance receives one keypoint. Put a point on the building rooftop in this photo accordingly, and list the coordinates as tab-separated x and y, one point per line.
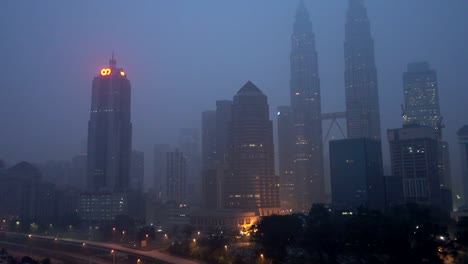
249	89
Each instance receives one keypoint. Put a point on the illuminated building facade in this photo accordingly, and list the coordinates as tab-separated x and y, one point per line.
421	96
251	184
308	172
109	131
362	97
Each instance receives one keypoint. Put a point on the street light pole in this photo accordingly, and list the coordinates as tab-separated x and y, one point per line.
113	256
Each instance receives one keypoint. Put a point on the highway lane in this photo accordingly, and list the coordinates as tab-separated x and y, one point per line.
153	254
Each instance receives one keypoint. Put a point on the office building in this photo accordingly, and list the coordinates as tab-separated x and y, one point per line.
421	97
109	131
356	173
362	97
308	172
286	156
414	158
210	182
189	144
176	174
462	189
251	184
159	170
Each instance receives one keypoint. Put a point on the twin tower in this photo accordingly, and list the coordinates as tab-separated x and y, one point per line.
300	124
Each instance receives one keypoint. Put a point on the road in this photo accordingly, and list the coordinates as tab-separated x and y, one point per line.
152	254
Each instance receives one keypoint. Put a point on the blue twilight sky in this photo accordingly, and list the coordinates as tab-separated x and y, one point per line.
182	55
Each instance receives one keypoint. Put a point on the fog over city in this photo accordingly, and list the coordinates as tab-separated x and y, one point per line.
181	56
160	124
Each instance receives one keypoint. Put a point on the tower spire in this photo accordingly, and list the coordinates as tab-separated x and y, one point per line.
113	62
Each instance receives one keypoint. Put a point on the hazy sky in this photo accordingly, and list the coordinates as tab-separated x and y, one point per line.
182	55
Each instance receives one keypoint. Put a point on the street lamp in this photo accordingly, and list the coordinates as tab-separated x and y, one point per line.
89	254
113	256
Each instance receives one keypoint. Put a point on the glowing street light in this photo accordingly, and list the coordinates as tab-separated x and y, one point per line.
113	256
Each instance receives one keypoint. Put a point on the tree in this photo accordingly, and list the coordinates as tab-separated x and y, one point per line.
323	235
278	232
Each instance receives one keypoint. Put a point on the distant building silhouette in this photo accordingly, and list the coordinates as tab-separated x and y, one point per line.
356	173
414	158
463	142
215	146
362	97
176	173
189	144
210	180
286	156
159	170
251	184
56	172
308	171
137	171
20	191
78	171
223	119
109	131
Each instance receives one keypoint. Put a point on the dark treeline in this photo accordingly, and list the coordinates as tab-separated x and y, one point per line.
404	234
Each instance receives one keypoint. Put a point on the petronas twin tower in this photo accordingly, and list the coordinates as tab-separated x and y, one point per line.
300	130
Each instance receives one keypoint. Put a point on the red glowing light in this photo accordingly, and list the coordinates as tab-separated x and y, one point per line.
122	73
106	71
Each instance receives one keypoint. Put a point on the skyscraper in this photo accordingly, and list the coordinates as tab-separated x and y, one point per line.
362	97
421	95
356	173
223	119
109	131
422	107
189	144
307	114
210	182
208	139
159	170
414	157
462	191
176	177
252	184
286	156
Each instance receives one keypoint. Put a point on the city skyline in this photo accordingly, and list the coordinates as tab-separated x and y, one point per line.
244	131
323	36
